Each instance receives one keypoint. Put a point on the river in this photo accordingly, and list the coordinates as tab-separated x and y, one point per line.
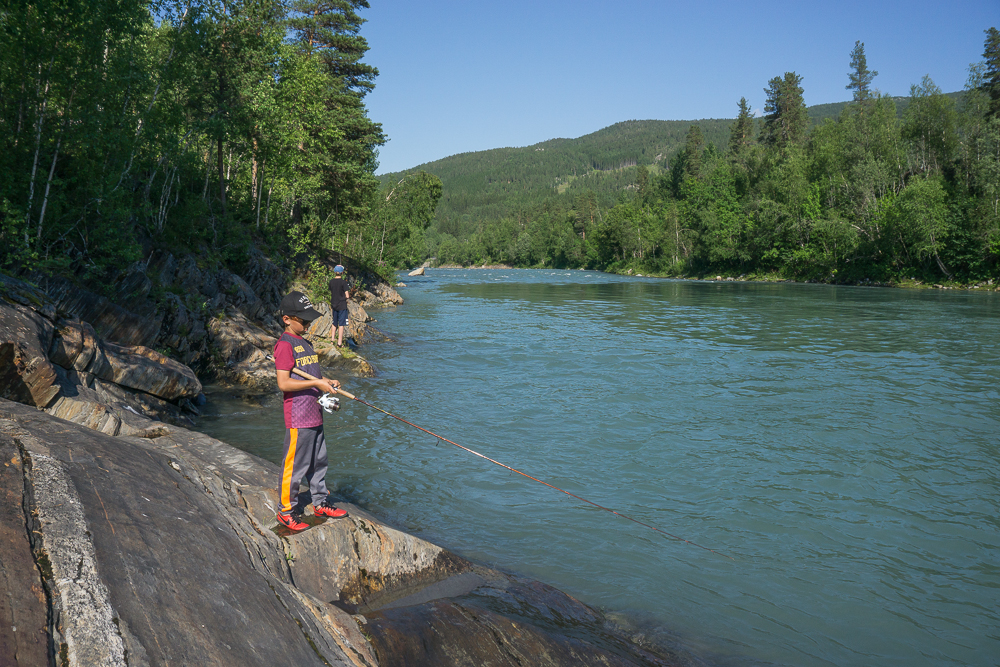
840	444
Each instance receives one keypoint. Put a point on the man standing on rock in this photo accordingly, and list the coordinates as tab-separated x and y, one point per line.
304	455
338	304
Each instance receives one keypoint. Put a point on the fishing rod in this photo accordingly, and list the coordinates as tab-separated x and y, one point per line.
504	465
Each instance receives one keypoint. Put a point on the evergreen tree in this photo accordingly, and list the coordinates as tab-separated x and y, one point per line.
325	33
785	116
642	183
692	152
991	82
860	76
588	214
741	134
329	29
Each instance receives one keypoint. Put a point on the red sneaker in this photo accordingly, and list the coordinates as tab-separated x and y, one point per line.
292	521
328	509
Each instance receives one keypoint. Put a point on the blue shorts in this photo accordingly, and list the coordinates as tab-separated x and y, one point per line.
339	318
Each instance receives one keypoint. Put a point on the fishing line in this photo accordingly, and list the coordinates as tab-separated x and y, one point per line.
524	474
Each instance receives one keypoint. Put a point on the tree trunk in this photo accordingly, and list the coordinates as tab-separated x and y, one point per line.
382	247
208	172
34	166
268	213
222	179
253	171
259	187
937	257
48	185
168	185
20	115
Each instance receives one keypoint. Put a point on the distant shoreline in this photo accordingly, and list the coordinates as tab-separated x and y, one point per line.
474	266
986	286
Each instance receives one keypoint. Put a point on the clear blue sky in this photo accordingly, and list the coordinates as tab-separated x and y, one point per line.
473	75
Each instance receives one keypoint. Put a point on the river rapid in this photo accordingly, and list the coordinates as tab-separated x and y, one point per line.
842	444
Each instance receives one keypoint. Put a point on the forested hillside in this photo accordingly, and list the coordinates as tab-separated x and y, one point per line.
207	126
489	185
820	112
878	188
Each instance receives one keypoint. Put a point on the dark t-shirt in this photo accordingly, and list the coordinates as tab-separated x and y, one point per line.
338	294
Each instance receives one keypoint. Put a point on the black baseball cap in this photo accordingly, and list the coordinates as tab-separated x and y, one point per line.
296	304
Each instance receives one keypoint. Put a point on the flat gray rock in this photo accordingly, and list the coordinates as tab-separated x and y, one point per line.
157	550
144	564
23	622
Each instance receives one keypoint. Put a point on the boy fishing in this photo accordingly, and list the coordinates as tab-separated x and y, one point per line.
304	455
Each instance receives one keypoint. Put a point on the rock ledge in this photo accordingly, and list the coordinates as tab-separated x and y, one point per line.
148	551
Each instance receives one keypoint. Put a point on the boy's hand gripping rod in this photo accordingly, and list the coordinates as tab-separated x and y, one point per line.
502	465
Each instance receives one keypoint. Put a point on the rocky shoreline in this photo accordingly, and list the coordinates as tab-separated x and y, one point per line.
130	540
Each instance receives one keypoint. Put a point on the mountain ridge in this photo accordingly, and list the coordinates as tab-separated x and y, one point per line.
489	184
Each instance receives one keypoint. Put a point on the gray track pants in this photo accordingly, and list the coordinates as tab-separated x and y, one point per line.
304	457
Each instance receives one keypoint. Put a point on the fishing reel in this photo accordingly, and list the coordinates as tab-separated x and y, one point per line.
329	402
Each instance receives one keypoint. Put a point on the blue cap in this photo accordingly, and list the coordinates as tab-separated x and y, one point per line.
339	268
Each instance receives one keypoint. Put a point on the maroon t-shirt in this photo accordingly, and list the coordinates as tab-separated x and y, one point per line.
301	408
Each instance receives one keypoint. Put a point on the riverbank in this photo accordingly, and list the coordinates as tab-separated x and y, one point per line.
475	266
131	540
910	283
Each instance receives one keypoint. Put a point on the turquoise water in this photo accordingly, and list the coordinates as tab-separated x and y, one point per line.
841	444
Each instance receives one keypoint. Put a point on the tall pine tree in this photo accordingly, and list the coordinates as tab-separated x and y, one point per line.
692	152
860	76
785	118
330	30
991	82
325	33
741	134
